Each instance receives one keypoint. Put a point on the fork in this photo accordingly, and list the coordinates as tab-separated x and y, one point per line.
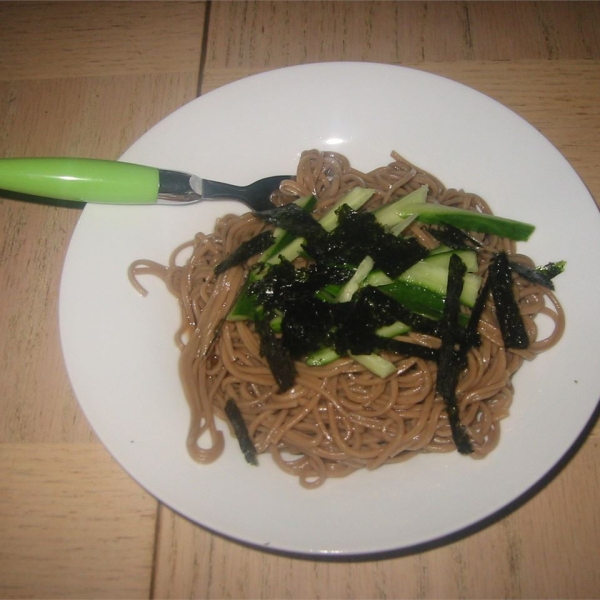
113	182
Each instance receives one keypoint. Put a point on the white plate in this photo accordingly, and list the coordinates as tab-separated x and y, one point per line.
123	363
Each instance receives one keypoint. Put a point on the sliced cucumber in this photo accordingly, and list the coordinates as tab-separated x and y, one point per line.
363	269
393	213
390	331
375	363
245	307
435	278
442	259
419	300
321	357
468	220
355	199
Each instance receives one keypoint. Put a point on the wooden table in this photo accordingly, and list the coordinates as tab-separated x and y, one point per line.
87	79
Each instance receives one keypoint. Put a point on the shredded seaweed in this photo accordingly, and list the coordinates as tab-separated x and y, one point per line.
358	234
552	269
450	360
454	238
388	310
306	325
259	243
277	356
294	220
241	432
540	275
509	316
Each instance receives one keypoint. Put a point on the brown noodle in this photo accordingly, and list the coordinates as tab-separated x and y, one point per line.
340	417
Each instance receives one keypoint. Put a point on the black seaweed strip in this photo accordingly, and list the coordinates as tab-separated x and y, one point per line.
509	317
532	274
454	238
241	432
399	312
471	335
449	363
292	219
246	250
277	356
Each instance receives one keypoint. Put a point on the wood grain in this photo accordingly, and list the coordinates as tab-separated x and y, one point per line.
35	238
91	39
517	557
277	34
76	79
73	524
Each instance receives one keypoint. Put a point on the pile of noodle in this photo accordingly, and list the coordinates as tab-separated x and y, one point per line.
340	417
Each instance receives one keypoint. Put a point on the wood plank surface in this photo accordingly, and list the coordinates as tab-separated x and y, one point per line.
76	79
87	79
73	524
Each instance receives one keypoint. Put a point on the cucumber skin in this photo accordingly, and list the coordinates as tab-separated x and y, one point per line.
468	220
419	300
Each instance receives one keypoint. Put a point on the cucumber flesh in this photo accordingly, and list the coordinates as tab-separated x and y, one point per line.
375	363
321	357
390	331
427	279
362	271
393	213
419	300
442	259
355	199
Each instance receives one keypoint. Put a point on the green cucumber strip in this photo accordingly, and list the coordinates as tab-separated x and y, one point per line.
244	307
355	198
377	278
419	300
441	249
442	259
276	323
468	220
289	252
390	331
435	279
402	225
426	276
330	292
351	286
373	362
328	355
321	357
391	214
376	364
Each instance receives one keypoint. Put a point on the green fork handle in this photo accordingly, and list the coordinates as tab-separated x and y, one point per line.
81	180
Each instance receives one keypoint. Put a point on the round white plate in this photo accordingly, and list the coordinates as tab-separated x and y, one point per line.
119	346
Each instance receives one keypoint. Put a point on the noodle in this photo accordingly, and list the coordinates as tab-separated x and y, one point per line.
340	417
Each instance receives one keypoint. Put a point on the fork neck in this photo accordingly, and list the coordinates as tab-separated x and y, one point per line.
175	187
